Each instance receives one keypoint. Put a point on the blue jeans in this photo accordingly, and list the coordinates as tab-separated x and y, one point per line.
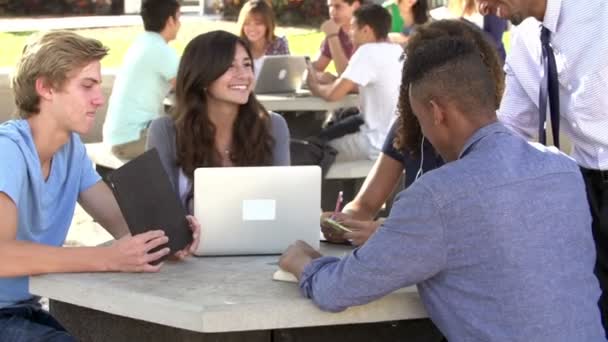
29	322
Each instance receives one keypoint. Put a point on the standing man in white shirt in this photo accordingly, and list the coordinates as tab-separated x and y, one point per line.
375	70
558	64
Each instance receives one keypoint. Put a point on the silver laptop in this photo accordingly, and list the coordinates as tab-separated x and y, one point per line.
256	210
281	75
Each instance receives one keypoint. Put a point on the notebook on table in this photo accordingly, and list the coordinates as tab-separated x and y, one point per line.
148	202
257	210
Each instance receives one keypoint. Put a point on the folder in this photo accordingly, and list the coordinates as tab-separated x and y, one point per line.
148	201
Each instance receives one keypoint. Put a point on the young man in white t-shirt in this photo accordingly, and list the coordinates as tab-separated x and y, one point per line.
375	69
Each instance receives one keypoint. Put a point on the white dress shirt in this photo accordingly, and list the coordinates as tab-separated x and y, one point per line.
579	36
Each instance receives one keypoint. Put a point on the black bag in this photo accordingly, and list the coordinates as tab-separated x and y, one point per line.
343	126
312	151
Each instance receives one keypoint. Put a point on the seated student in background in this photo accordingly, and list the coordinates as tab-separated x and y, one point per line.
405	16
491	260
256	26
146	75
494	26
337	45
217	120
374	70
359	215
44	172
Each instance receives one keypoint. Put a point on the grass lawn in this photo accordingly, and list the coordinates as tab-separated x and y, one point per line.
302	41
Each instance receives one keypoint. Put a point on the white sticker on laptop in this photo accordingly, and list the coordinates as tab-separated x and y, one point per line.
259	210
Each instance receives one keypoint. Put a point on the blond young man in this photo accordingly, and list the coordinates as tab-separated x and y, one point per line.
44	172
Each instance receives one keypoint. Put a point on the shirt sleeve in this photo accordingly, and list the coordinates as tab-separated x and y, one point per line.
280	133
169	64
407	249
283	46
88	174
495	28
325	51
517	111
359	69
388	148
13	169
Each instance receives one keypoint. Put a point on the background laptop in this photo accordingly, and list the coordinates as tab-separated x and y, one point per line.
280	75
256	210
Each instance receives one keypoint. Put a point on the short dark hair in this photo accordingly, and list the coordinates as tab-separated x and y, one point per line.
155	13
420	10
351	2
376	17
451	70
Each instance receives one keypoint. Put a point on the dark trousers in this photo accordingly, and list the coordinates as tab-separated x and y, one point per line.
597	194
28	322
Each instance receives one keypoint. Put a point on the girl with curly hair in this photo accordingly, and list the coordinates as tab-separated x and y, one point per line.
404	148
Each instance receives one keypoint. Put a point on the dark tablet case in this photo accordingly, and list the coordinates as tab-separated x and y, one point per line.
148	202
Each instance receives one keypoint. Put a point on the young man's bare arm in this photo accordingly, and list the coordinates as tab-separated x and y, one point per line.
22	258
379	184
331	92
99	202
321	62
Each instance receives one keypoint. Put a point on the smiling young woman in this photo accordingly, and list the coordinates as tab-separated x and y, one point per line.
217	120
256	26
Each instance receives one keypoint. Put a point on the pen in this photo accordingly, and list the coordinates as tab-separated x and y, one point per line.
338	205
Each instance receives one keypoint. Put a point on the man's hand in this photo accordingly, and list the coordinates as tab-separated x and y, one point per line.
329	27
296	257
196	238
132	253
362	230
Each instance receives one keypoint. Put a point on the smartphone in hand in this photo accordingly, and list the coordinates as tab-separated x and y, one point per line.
336	225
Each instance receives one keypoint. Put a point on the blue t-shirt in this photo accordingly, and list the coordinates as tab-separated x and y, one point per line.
432	159
140	88
45	208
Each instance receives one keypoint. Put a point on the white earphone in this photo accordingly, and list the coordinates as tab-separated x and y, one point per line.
420	171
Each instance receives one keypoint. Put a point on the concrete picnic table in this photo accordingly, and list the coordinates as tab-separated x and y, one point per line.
219	299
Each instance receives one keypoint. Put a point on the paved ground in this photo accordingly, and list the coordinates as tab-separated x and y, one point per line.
85	232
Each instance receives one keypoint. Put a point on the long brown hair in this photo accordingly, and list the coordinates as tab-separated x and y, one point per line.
206	58
263	10
409	134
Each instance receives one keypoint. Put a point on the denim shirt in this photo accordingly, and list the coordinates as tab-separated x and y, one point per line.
498	242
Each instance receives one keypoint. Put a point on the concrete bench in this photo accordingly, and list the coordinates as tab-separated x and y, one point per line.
101	155
350	169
